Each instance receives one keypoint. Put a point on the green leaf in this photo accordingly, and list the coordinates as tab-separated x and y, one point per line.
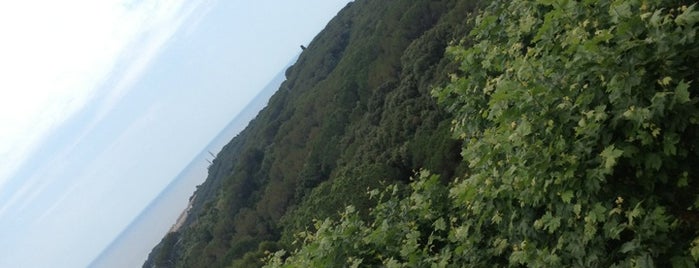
665	81
695	249
567	196
497	218
500	244
610	156
629	246
440	225
656	18
653	161
620	10
636	212
682	92
548	222
577	209
688	17
597	213
683	181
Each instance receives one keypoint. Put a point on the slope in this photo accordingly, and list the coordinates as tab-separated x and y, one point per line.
354	111
580	127
183	184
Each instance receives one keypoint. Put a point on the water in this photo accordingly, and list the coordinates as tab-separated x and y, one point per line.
132	246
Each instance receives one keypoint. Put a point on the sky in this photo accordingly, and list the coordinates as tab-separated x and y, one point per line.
103	103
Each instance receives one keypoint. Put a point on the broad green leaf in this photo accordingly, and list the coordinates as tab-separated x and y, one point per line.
636	212
665	81
497	218
688	17
567	196
682	92
629	246
656	19
440	225
653	161
610	156
620	10
695	249
577	209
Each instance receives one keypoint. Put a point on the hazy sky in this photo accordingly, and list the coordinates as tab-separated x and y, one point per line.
102	103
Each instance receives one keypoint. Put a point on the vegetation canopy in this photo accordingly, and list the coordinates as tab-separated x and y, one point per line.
579	121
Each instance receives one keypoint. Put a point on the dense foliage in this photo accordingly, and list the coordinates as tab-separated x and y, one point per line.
354	110
580	124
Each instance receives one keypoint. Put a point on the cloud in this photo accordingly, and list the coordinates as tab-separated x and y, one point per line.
58	55
163	19
100	162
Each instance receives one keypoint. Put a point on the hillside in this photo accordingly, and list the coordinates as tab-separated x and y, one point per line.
355	110
459	133
580	124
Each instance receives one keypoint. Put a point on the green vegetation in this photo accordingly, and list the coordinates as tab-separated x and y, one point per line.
579	121
354	111
556	133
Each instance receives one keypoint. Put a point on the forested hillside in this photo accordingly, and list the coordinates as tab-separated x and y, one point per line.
423	133
354	112
580	128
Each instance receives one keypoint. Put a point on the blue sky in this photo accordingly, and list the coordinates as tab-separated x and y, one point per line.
102	103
